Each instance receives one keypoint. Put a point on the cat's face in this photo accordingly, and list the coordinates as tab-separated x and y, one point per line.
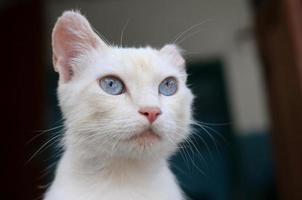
123	102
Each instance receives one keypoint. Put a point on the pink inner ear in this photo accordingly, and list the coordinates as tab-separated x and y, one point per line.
72	36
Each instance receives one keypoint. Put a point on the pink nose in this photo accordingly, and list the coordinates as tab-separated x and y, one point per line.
150	112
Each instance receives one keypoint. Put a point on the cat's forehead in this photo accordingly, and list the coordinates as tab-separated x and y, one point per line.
136	63
143	59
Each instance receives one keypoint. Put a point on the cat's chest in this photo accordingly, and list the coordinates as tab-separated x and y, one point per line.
160	186
135	193
162	191
127	190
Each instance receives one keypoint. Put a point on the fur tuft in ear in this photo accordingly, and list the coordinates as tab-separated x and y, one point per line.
173	53
72	37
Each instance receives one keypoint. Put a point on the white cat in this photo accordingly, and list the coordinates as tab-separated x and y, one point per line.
125	111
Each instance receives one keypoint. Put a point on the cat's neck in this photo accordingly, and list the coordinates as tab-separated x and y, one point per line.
110	167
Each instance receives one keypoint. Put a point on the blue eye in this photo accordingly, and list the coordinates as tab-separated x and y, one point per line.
112	85
168	86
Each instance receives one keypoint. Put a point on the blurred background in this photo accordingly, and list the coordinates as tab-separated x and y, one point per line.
244	59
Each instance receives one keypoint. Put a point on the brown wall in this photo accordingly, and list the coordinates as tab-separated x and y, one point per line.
279	25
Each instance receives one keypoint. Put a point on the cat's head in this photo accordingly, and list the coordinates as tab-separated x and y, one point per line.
123	102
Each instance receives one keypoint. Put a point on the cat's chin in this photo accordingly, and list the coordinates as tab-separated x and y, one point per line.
147	136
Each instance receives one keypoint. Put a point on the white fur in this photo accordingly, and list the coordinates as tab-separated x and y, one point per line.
99	162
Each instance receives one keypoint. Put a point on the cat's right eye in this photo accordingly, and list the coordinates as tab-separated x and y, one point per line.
112	85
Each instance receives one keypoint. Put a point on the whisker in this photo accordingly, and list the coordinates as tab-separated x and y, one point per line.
123	30
42	132
102	37
219	134
186	37
178	36
214	124
205	143
212	138
42	148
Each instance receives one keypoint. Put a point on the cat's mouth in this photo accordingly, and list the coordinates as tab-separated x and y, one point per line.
147	135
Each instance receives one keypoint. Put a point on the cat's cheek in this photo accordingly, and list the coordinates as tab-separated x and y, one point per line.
185	99
178	110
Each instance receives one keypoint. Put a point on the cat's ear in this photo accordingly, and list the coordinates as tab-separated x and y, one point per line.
72	37
173	53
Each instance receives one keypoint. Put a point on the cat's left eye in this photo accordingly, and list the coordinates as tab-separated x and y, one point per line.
112	85
168	86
